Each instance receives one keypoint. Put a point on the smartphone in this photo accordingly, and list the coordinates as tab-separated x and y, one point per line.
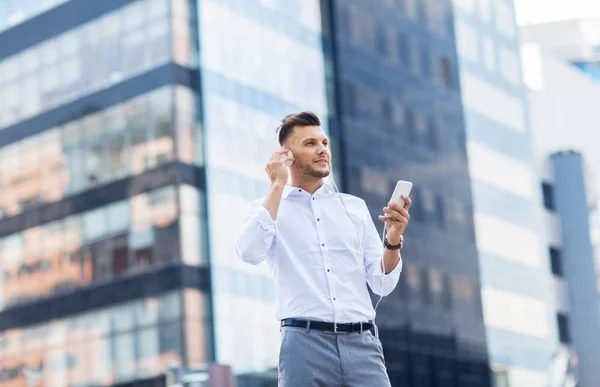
403	187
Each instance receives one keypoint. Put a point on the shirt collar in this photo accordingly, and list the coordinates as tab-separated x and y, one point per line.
290	190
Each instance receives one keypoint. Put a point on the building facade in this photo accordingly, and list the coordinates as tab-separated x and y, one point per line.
400	117
517	288
104	280
133	133
564	117
571	209
576	41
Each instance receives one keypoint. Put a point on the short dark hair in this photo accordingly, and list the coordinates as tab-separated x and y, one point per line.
296	119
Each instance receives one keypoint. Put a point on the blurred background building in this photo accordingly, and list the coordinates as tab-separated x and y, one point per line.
564	116
572	222
104	274
398	115
516	283
575	41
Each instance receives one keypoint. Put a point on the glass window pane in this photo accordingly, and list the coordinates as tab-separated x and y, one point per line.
114	119
124	351
30	60
118	150
135	15
71	72
101	361
31	96
171	346
118	217
170	307
111	26
94	225
49	52
148	352
99	324
146	312
69	43
95	164
158	8
57	367
163	142
141	241
78	363
11	69
158	40
132	52
75	173
185	140
123	317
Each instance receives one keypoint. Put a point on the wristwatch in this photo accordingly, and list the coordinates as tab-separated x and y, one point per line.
387	245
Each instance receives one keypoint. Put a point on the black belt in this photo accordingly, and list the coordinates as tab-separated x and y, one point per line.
328	327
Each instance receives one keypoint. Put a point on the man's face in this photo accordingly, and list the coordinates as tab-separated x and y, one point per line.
310	147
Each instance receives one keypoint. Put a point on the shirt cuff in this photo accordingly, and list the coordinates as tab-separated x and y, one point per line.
395	272
263	218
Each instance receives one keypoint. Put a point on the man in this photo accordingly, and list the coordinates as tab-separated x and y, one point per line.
322	252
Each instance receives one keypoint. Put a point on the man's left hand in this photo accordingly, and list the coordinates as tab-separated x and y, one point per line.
397	219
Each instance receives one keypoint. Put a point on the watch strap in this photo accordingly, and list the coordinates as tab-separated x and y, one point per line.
388	246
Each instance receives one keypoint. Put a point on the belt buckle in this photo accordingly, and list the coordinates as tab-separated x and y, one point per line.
335	327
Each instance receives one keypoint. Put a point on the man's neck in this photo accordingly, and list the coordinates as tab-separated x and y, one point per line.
309	185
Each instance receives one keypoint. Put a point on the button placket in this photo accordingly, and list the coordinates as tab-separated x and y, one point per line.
324	255
318	224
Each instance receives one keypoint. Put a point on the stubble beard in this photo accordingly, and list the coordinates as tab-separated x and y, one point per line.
309	172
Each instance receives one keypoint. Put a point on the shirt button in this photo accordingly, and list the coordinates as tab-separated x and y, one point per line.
328	270
333	298
313	198
323	244
318	220
299	190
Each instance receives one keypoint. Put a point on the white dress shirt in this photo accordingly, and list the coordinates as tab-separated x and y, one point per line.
321	261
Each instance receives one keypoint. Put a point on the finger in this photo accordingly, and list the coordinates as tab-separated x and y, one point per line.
278	153
395	206
390	221
401	216
407	202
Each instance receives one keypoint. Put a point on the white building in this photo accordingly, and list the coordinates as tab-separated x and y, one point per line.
576	41
565	118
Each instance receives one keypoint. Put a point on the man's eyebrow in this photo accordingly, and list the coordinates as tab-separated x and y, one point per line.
314	139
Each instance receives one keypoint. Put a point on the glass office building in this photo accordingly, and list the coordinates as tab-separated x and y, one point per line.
400	117
103	276
133	133
517	286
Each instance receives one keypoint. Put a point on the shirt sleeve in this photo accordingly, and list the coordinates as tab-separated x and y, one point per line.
380	283
256	237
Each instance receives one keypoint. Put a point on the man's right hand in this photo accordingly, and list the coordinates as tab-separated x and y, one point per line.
276	168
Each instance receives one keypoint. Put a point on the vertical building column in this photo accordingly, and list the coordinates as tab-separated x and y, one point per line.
579	263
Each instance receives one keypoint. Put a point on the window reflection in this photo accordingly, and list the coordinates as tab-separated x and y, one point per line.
171	346
122	140
83	350
101	367
148	351
123	237
78	363
80	61
124	345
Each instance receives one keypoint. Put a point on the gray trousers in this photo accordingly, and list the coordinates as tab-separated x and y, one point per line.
311	358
